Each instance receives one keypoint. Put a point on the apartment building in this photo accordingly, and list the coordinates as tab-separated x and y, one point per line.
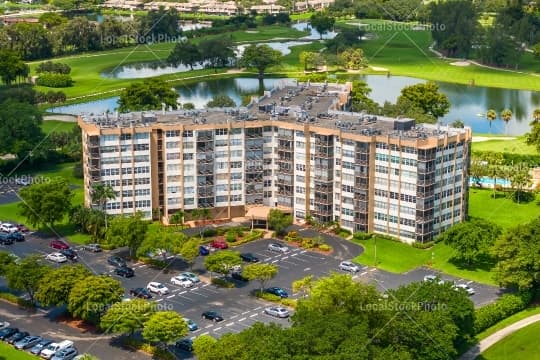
296	148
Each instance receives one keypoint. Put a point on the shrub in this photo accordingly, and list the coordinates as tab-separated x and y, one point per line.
362	236
267	296
54	80
425	245
12	298
506	305
209	232
222	283
289	302
325	247
307	243
230	237
50	67
157	353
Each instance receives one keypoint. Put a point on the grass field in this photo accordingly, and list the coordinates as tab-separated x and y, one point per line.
405	52
517	146
508	321
8	352
59	126
523	344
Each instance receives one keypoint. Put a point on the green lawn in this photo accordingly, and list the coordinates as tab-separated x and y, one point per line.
523	344
49	126
501	210
10	212
508	321
8	352
405	52
516	146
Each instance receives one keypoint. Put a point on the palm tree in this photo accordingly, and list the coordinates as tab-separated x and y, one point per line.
536	115
506	115
201	214
177	218
491	116
100	195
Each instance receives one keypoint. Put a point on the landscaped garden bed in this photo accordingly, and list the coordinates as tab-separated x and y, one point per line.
316	243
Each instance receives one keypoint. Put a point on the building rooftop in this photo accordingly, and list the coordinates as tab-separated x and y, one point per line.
320	105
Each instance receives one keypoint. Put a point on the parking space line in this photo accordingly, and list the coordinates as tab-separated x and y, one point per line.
159	300
208	326
242	319
170	297
285	257
374	269
257	308
205	285
219	328
196	293
183	292
234	316
231	324
204	333
364	273
294	254
275	261
469	282
245	312
253	315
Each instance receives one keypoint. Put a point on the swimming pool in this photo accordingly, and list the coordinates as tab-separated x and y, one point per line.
485	180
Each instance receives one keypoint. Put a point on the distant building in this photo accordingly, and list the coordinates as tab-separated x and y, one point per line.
297	149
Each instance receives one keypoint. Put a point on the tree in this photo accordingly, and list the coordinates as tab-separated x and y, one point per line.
478	169
80	34
164	327
260	272
222	262
458	124
26	275
322	22
520	178
220	101
491	116
426	97
89	299
353	59
471	240
536	115
127	231
185	53
217	51
494	168
201	214
456	26
260	57
303	285
164	240
518	257
148	95
189	251
126	317
506	116
360	100
31	41
536	51
56	285
100	195
46	202
6	259
12	66
20	128
177	218
203	345
278	220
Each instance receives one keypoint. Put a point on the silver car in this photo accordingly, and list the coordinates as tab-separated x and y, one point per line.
278	248
27	342
277	311
349	266
65	354
469	290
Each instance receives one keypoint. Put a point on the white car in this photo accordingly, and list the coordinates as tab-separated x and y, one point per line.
157	288
465	287
349	266
191	276
433	278
56	257
278	248
9	228
182	281
277	311
4	324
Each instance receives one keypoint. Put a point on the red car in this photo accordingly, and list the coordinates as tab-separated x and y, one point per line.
22	228
58	244
219	244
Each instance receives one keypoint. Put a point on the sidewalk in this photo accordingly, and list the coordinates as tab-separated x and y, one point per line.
483	345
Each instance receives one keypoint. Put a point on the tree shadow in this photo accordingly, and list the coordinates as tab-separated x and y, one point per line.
483	263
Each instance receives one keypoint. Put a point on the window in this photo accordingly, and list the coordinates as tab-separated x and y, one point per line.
172	144
174	156
141	147
142	136
173	189
173	167
236	165
301	167
222	198
300	190
109	138
236	176
223	131
235	187
125	137
187	133
236	197
173	201
172	133
187	145
189	201
142	192
236	142
188	156
141	181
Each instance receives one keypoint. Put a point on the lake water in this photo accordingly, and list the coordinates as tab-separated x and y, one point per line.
467	103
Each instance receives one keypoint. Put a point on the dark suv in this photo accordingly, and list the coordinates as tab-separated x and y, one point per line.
116	261
5	239
17	236
124	271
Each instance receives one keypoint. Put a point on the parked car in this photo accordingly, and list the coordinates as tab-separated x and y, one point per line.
157	288
192	325
204	250
59	244
8	228
433	278
69	253
17	236
182	281
278	248
212	315
27	342
184	344
237	275
56	257
191	276
277	291
249	257
22	228
140	293
6	239
92	247
17	337
116	261
219	244
469	290
7	332
65	354
124	271
36	349
277	311
53	348
349	266
3	324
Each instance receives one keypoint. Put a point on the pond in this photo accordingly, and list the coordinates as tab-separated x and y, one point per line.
468	104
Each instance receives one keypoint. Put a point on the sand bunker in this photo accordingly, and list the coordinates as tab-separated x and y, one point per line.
376	68
461	63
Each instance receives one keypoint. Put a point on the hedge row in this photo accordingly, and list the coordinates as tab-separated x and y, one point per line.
506	305
54	80
12	298
510	158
